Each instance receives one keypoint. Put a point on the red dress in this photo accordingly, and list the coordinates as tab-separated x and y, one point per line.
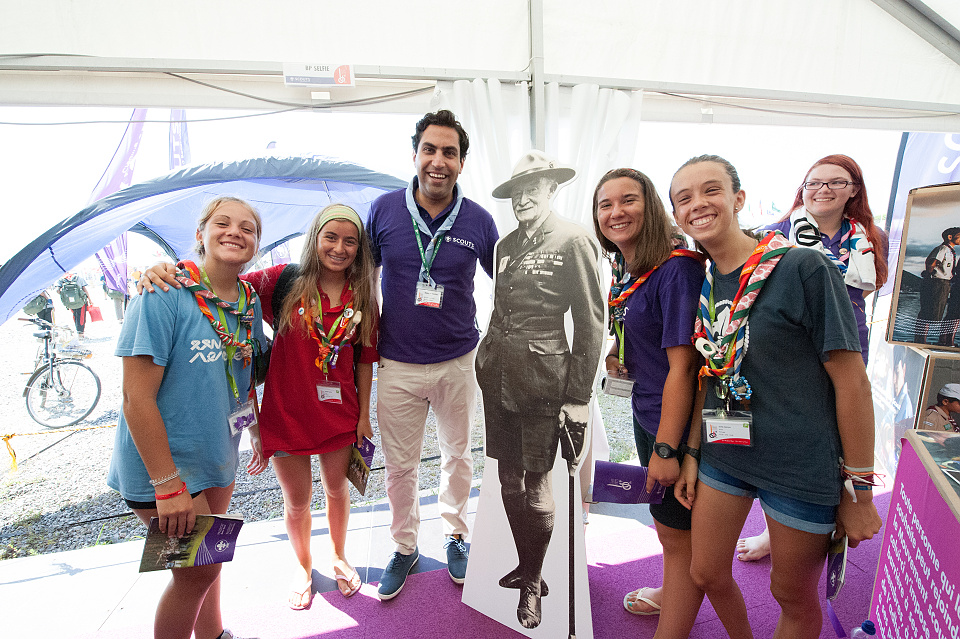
292	418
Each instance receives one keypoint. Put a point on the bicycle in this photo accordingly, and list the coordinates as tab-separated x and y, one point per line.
62	390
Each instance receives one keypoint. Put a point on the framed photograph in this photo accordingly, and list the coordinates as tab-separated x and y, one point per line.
942	369
926	306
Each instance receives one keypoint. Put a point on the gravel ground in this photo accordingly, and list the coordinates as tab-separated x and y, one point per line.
58	500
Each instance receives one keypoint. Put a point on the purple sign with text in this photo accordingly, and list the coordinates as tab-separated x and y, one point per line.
917	587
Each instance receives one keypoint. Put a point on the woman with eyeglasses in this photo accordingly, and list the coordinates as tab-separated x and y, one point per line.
831	214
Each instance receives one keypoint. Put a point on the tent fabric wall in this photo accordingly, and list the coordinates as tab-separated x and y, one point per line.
841	60
287	192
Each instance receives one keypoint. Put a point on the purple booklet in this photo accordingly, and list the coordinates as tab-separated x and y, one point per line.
624	484
836	567
361	459
212	541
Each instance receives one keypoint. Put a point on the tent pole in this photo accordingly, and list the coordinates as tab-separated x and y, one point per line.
537	110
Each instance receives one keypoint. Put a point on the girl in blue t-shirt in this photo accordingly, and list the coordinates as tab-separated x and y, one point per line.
786	395
316	398
183	409
653	301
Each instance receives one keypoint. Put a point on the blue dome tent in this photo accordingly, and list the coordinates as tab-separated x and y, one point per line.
287	192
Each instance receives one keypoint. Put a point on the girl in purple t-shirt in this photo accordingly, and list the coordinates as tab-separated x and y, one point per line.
653	302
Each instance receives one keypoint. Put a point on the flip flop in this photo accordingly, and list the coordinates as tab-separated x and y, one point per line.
349	581
299	595
638	596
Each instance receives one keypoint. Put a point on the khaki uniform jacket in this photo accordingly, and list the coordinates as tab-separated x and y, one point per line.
524	363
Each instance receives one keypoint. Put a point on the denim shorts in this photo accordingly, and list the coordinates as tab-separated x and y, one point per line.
793	513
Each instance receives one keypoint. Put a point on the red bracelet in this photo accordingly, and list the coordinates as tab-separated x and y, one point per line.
182	490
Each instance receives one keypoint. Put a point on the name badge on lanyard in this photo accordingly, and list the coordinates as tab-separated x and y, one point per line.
728	427
329	392
242	418
430	296
617	386
429	293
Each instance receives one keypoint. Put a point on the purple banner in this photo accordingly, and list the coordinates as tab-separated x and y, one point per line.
113	263
928	158
280	255
119	174
179	140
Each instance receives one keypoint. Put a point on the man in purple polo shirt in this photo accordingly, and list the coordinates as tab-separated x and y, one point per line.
428	239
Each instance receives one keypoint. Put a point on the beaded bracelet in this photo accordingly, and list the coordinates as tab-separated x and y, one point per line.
163	480
182	490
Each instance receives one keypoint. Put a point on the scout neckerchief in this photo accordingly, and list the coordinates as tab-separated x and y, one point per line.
619	292
329	346
428	255
723	346
856	259
196	281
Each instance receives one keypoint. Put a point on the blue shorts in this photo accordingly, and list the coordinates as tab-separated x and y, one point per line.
793	513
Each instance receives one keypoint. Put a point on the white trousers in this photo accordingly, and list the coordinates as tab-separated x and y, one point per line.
405	392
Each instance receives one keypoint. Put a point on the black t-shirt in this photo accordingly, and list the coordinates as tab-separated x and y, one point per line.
802	313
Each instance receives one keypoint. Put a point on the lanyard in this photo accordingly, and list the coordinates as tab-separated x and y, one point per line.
229	346
618	296
428	255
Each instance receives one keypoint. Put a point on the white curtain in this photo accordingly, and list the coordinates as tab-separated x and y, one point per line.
497	119
593	130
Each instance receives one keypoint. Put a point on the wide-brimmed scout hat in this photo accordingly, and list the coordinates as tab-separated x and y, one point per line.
534	164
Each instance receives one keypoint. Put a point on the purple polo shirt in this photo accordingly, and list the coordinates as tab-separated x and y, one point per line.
659	314
416	334
856	295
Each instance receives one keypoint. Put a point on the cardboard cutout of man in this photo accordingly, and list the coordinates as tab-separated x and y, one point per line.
536	389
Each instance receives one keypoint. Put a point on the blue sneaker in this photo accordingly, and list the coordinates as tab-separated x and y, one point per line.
456	558
395	574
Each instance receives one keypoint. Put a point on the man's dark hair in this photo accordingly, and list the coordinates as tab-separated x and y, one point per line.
950	232
443	117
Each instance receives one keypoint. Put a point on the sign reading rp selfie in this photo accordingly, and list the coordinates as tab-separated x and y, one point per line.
317	74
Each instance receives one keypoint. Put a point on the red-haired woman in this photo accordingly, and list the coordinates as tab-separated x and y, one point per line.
831	213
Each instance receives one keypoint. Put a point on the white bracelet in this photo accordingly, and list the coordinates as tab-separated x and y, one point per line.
163	480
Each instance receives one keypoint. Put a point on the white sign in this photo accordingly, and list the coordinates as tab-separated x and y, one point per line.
299	74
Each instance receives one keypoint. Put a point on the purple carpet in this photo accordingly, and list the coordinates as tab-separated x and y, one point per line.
615	569
430	606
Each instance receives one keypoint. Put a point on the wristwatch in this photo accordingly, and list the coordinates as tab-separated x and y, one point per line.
693	452
666	451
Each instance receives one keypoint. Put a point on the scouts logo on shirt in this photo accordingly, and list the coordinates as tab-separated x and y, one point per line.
464	243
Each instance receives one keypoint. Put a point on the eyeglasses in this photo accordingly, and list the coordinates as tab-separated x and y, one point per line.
833	185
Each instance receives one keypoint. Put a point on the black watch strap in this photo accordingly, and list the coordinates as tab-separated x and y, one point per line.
693	452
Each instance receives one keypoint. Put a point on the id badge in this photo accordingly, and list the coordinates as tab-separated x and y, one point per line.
617	386
329	392
242	418
429	296
728	427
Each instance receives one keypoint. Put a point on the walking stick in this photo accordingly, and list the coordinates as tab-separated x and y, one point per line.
573	608
573	446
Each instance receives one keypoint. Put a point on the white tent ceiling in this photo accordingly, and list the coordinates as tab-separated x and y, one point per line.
854	63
